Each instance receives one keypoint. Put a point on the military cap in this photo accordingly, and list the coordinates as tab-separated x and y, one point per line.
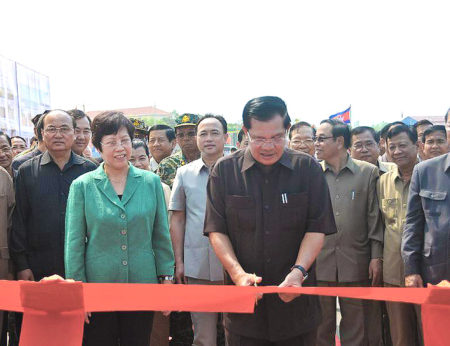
186	119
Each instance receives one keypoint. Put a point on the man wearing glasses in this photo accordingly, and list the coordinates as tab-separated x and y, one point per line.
352	256
366	147
187	140
42	187
301	137
161	141
268	210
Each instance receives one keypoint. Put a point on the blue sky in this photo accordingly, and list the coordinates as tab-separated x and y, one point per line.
384	58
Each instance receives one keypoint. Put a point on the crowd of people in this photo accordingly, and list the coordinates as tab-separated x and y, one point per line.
295	205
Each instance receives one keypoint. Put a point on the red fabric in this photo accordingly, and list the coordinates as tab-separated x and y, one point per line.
56	308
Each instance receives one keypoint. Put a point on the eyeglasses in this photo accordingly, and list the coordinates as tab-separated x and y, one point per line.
114	144
181	135
367	145
276	140
303	141
64	130
85	132
321	139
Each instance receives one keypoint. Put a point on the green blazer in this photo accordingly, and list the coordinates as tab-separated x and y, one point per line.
113	240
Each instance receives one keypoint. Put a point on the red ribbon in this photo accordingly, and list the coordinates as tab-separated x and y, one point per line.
54	310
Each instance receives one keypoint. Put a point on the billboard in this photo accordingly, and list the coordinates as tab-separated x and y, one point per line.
23	94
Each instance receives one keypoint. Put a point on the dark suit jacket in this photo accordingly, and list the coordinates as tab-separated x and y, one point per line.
426	238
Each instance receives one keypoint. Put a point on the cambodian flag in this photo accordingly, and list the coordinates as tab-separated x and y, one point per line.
342	116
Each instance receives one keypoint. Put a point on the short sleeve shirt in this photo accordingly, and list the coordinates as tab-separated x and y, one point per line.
189	195
266	215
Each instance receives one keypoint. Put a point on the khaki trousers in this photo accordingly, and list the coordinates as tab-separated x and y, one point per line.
205	323
354	323
405	323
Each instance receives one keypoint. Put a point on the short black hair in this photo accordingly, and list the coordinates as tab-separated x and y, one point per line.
139	143
170	132
403	128
40	123
422	122
339	129
21	138
241	135
301	124
79	114
265	108
220	118
8	139
432	129
385	129
361	129
108	123
446	115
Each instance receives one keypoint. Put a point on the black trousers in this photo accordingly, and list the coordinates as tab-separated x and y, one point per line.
306	339
128	328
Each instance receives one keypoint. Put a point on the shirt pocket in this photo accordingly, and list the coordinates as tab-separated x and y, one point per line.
433	202
241	212
389	208
293	210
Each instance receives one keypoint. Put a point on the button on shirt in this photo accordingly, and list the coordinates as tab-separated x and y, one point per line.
393	197
189	194
266	214
345	256
37	236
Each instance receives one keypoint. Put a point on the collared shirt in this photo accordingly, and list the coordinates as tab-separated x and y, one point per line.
189	195
385	167
153	165
266	215
37	237
18	161
345	256
393	197
168	167
6	209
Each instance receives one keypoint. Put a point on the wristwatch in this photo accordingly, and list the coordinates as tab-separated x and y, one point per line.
165	278
303	270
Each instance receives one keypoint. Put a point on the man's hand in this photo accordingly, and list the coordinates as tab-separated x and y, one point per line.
26	275
413	280
246	279
179	273
167	282
293	279
376	271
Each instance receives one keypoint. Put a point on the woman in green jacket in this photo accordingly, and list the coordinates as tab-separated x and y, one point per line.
117	231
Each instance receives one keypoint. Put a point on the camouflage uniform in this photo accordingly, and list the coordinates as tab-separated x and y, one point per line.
168	167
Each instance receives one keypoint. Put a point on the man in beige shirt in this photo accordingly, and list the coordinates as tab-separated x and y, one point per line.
352	256
393	188
7	201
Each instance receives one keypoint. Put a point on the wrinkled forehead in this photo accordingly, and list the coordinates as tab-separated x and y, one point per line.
325	130
303	131
363	137
209	124
58	118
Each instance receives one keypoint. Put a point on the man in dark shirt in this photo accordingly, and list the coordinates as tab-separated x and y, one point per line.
268	210
42	187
